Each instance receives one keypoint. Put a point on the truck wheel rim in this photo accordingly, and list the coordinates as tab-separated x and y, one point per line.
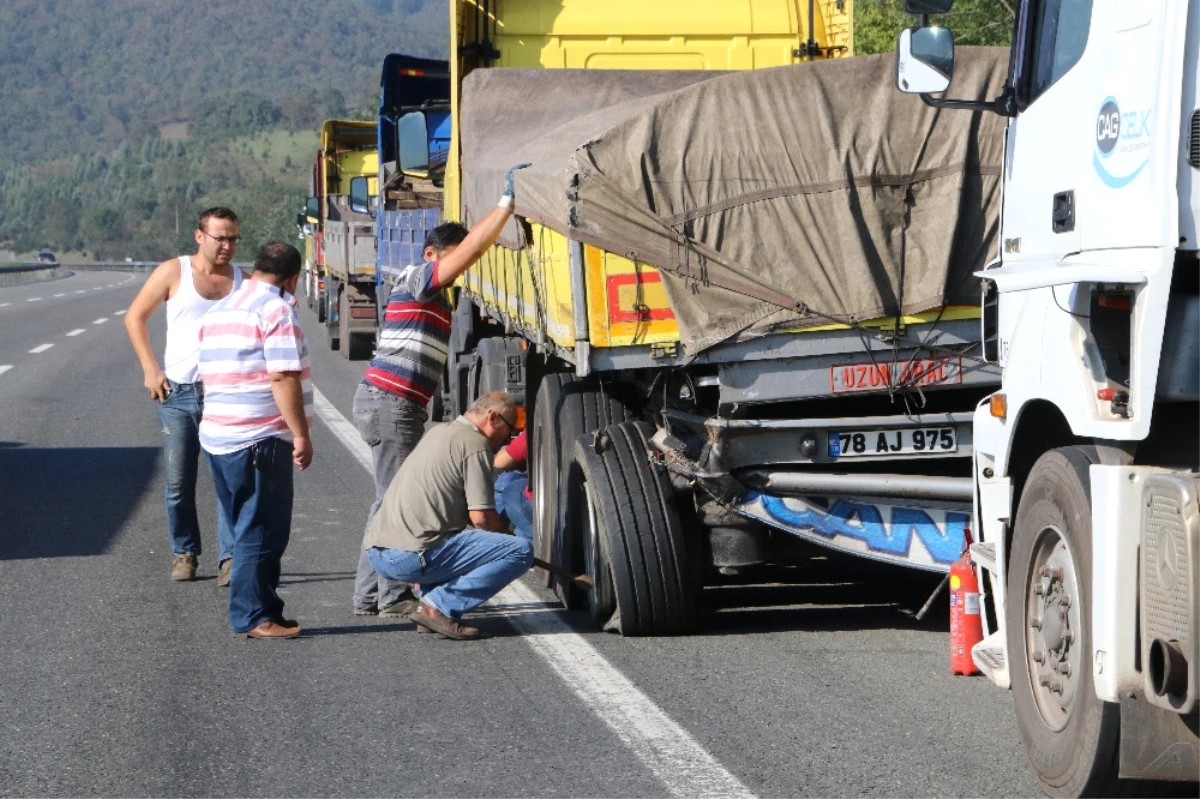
540	498
591	544
1053	645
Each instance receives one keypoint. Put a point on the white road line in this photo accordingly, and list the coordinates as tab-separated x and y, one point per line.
97	288
77	331
34	299
118	313
60	295
5	367
82	291
2	304
40	348
679	762
101	320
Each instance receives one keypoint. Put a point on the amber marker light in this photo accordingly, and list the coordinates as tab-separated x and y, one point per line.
998	405
520	425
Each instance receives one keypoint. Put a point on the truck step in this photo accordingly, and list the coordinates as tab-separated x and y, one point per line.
984	556
988	655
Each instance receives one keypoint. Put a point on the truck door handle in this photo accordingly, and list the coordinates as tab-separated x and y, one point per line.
1064	212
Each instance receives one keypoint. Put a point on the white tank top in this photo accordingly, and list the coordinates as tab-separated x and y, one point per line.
181	361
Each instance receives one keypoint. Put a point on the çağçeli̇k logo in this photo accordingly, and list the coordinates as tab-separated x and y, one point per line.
1122	139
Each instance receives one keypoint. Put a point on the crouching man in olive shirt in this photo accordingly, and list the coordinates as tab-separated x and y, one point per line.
432	526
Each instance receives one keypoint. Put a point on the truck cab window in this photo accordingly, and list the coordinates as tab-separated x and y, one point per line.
1060	34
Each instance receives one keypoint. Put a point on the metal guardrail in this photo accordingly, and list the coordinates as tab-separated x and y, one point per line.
113	266
135	266
20	275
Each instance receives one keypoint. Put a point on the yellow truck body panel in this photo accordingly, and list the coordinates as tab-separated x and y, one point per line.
341	162
627	305
348	150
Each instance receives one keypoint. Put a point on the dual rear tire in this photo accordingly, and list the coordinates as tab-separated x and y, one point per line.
565	408
635	549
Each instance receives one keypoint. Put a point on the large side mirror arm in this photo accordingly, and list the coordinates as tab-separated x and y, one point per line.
1005	105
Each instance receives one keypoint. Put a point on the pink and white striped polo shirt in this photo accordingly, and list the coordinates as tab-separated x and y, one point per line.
243	339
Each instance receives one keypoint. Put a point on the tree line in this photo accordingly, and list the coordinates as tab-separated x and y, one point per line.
141	202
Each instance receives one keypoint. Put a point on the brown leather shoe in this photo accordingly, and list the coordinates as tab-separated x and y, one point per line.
224	573
183	568
275	629
433	620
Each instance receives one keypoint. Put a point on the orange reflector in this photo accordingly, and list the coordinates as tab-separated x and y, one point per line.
362	313
520	417
1117	302
998	405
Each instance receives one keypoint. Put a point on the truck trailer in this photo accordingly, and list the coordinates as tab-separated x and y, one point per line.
343	275
1087	457
737	300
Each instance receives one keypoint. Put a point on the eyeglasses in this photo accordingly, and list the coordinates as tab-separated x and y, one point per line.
230	240
512	428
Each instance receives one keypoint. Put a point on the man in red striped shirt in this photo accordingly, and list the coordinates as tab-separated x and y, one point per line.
390	404
255	428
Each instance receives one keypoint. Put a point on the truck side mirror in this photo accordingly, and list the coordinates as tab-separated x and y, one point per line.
412	131
927	6
312	210
924	60
360	194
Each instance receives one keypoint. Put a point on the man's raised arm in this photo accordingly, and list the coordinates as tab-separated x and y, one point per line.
483	235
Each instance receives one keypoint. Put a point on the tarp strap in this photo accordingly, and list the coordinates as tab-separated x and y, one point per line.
861	181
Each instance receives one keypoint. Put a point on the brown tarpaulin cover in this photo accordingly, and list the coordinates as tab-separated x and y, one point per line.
818	183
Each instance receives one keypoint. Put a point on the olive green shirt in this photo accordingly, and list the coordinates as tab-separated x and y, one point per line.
446	476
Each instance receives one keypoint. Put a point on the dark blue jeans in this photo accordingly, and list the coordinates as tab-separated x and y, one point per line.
254	487
179	416
462	572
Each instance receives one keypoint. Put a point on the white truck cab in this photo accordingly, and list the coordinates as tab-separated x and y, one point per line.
1087	460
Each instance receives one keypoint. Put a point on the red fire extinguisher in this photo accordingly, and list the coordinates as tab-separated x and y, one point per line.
966	624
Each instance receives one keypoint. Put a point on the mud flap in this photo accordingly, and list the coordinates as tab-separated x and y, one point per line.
1157	744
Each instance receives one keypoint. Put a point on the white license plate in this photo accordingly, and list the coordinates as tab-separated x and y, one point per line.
844	377
882	443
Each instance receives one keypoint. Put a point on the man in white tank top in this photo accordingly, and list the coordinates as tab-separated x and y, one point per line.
188	286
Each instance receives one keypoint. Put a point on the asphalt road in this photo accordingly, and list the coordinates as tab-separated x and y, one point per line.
119	682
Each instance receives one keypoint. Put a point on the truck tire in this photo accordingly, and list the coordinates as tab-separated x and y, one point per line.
640	554
1070	736
565	409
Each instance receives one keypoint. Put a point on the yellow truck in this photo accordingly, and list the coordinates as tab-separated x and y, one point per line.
341	278
735	299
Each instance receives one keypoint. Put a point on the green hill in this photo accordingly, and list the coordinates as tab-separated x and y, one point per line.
124	118
78	76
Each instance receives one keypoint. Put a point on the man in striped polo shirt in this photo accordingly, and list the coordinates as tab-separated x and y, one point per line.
257	413
390	404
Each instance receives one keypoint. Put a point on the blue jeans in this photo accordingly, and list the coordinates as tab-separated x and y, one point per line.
254	487
179	416
462	572
513	504
391	426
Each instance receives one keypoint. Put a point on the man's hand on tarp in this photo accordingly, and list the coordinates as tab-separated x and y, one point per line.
508	181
